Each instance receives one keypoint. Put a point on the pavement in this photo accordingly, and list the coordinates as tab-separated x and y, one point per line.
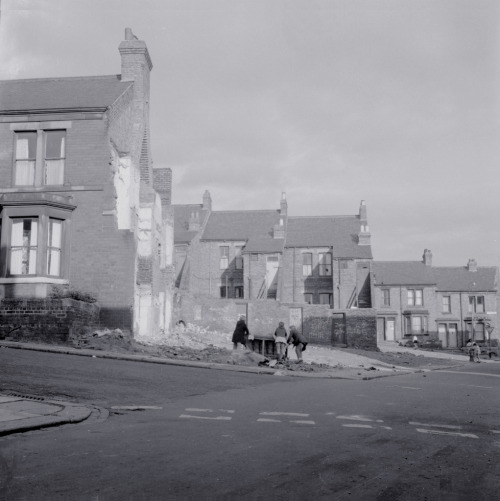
20	413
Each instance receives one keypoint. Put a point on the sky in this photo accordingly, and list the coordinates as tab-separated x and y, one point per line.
395	102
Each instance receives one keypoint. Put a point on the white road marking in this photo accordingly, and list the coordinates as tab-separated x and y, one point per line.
217	418
226	410
269	420
386	427
467	373
136	407
357	425
356	417
303	422
475	386
194	409
494	431
283	414
452	427
405	387
438	432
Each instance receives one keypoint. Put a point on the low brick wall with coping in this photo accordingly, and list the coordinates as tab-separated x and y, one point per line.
45	320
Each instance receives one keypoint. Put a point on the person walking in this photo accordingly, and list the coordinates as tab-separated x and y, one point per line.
280	340
299	341
477	352
240	333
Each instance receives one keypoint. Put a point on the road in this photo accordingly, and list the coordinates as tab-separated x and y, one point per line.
207	434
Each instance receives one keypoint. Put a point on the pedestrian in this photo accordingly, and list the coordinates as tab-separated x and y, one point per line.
415	342
240	333
477	352
299	341
280	340
470	350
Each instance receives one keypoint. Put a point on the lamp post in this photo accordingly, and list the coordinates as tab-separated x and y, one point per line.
472	306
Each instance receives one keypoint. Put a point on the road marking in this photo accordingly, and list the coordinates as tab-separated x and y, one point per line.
405	387
386	427
494	431
439	432
467	373
217	418
475	386
350	425
269	420
136	407
452	427
283	414
356	417
303	422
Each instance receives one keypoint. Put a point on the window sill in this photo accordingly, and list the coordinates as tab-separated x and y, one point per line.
34	280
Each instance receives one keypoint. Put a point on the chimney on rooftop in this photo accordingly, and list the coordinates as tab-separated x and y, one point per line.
194	221
364	237
207	200
283	205
427	257
472	265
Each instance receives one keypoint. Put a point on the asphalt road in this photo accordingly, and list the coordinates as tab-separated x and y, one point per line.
206	434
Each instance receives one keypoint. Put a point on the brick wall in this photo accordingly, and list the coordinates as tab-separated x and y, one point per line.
319	325
45	320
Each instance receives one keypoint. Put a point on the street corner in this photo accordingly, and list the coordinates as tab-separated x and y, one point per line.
21	413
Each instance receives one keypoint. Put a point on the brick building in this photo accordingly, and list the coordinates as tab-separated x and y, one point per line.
449	304
81	206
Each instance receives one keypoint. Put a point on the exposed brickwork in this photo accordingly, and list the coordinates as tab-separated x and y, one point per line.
45	320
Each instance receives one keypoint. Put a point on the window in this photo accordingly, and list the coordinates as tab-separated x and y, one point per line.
325	263
223	291
415	297
238	291
416	324
386	297
40	158
224	258
476	304
325	298
479	332
35	236
24	246
446	304
238	260
307	264
308	298
254	257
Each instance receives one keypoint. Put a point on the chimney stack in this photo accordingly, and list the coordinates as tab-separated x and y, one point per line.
427	257
472	265
207	201
364	236
194	221
283	205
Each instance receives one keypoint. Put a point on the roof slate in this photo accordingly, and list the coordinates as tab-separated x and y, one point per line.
338	232
452	279
241	225
61	93
182	214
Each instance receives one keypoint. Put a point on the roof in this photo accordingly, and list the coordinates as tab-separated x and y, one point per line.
264	245
338	232
450	279
41	94
182	214
248	225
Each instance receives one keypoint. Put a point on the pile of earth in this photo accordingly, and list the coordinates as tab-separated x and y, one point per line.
193	343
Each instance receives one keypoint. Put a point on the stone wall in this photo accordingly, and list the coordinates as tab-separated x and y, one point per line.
45	320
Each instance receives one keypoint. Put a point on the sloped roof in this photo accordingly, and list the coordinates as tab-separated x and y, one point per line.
451	279
61	93
338	232
264	245
241	225
182	213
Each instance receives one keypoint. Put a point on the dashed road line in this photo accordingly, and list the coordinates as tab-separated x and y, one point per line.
298	414
216	418
494	431
303	422
356	417
351	425
451	426
449	433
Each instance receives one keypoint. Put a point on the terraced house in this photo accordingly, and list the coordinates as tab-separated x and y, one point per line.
81	206
448	304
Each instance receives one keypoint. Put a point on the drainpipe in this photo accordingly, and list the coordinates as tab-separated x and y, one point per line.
401	312
294	277
210	269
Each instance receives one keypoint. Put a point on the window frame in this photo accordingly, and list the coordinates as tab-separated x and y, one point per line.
473	304
415	297
409	324
239	291
307	268
322	296
308	294
386	297
325	268
238	257
223	257
42	131
44	211
446	304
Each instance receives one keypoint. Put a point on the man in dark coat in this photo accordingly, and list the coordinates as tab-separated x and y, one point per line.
298	340
240	333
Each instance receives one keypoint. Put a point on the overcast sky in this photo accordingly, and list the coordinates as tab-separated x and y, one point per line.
332	101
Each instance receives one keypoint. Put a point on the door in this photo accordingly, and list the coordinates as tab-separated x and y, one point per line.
442	335
390	329
380	329
452	336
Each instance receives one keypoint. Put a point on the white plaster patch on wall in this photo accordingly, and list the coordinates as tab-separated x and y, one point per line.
144	231
122	182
